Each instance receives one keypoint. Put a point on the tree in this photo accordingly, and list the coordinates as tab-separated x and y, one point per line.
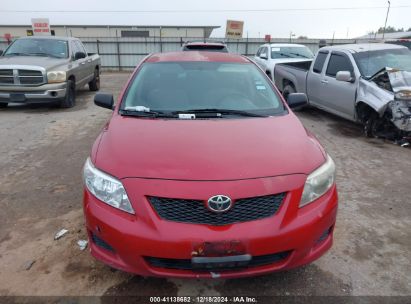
389	29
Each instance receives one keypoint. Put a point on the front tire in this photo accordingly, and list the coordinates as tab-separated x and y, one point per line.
372	125
94	85
288	89
70	99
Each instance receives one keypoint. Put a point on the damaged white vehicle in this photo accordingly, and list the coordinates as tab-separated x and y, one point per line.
367	83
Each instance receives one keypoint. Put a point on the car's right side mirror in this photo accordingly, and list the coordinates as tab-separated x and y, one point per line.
297	100
344	76
104	100
79	55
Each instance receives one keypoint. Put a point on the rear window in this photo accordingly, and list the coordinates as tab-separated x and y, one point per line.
319	62
177	86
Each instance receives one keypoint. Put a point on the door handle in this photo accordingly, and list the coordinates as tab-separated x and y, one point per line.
324	81
83	62
89	60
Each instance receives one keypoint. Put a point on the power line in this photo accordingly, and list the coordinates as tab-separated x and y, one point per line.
210	10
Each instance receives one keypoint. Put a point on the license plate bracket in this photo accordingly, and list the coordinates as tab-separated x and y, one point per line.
17	97
219	248
225	262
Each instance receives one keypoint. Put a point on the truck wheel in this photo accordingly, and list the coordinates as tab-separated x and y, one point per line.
70	99
3	105
94	85
288	89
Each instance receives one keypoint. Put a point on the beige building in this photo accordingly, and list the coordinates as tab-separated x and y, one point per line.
80	31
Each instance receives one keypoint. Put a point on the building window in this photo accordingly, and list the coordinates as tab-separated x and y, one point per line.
135	34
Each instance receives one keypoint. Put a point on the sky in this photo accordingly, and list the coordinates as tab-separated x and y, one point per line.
314	18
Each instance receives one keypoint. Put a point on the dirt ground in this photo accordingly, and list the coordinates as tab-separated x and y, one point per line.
42	151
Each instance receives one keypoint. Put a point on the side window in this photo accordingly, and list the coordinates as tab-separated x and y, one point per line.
81	47
338	63
319	62
258	52
74	48
264	50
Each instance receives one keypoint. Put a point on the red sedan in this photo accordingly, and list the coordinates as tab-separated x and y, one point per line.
204	171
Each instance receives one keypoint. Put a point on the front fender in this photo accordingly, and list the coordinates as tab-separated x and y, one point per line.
374	96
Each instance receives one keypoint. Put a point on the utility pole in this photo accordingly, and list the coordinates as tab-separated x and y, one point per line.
386	19
291	35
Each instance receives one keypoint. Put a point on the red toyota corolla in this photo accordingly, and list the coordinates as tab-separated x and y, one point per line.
203	171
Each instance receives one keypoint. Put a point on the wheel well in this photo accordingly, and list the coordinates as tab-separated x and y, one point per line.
364	111
287	82
97	68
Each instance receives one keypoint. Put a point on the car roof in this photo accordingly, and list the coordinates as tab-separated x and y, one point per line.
205	43
363	47
197	56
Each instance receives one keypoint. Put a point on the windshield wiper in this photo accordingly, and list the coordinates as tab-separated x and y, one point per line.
219	112
296	54
285	55
142	112
44	54
16	54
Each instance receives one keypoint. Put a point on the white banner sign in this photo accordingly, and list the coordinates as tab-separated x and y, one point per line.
41	26
234	29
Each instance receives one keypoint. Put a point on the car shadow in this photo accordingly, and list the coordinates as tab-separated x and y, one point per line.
83	96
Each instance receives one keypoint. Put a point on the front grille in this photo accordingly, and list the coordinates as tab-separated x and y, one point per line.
30	77
185	264
21	77
195	212
6	76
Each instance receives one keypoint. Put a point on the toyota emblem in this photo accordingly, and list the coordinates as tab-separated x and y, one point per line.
219	203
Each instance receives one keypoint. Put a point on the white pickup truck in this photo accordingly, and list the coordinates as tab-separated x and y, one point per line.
268	55
367	83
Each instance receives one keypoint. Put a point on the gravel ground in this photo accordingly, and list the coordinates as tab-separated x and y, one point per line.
41	156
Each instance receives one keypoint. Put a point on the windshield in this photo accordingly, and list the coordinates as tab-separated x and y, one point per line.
371	62
291	52
182	86
38	47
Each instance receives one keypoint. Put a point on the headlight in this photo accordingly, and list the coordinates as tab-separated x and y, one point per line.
106	188
318	182
56	76
403	95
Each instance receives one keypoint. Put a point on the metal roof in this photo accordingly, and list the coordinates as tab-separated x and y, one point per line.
119	26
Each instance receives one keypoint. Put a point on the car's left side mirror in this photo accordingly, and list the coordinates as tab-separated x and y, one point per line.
297	100
104	100
344	76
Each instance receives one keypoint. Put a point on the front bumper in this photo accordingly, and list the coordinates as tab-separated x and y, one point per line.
128	242
40	94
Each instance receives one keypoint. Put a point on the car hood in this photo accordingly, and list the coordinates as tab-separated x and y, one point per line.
215	149
45	62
